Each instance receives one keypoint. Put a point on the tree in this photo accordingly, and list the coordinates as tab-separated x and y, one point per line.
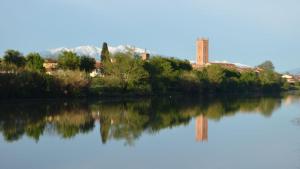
166	72
34	61
216	74
129	72
267	65
68	60
167	67
105	53
87	63
72	82
270	78
14	57
249	79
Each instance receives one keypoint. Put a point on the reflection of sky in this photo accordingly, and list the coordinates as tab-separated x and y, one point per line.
240	141
248	32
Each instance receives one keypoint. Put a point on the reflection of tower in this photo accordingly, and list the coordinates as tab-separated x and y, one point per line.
201	128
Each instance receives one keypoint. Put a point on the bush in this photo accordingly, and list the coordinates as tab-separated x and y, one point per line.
26	84
14	57
87	63
68	60
34	62
72	82
32	84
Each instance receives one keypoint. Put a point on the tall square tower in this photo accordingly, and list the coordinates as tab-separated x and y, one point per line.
145	56
202	51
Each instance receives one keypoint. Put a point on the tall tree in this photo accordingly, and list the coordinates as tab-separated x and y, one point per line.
105	53
87	63
14	57
129	72
34	61
267	65
68	60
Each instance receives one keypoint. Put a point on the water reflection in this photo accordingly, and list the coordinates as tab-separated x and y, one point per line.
201	128
125	120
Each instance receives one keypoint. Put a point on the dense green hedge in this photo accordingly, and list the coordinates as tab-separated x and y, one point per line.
30	84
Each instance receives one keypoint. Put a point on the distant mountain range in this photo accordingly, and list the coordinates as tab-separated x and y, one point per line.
295	71
95	52
91	51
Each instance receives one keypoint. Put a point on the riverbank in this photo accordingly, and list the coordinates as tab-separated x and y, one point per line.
76	84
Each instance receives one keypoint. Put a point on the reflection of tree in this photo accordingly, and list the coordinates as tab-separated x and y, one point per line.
68	124
229	106
35	130
121	120
30	118
104	128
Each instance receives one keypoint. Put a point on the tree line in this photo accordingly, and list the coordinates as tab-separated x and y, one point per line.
126	74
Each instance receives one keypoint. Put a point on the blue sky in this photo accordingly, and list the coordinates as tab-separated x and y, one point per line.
248	32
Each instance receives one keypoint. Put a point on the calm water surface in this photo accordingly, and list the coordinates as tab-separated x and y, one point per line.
185	133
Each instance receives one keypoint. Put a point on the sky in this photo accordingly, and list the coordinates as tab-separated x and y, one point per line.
242	31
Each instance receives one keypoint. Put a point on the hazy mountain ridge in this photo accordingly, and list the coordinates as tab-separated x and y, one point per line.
91	51
294	71
227	62
95	52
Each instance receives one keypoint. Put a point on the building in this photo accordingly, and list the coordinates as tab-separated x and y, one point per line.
290	79
97	70
202	59
145	56
50	65
201	128
202	52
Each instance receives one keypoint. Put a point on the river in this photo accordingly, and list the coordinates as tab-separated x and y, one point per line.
233	132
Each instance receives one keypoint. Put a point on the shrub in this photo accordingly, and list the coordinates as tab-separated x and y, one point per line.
72	82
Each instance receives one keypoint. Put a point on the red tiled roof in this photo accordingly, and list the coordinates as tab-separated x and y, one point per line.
98	64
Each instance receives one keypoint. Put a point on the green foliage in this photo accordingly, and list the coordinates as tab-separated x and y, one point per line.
165	73
125	73
31	84
87	63
34	62
26	84
297	86
267	65
216	74
68	60
105	56
8	68
14	57
249	78
270	80
72	82
249	81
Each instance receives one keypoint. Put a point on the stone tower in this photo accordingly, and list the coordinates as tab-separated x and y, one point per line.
145	56
202	51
